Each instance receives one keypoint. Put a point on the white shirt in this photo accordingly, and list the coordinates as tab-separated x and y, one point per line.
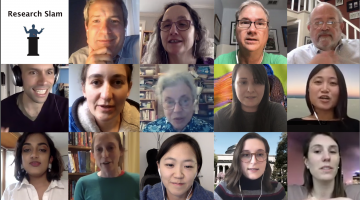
57	190
347	50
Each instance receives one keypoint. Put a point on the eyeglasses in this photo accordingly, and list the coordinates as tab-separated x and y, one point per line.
246	156
185	104
247	24
318	24
181	25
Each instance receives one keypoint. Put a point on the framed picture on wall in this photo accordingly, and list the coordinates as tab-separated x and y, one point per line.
272	45
307	40
284	32
217	28
349	6
233	33
356	5
339	2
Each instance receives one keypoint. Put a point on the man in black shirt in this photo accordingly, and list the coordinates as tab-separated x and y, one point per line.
35	109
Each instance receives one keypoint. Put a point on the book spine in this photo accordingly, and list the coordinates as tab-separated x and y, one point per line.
76	139
87	154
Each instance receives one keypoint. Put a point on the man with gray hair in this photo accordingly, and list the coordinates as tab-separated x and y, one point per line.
105	24
325	26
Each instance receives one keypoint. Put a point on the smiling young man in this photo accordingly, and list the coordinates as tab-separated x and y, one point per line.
326	26
105	24
34	109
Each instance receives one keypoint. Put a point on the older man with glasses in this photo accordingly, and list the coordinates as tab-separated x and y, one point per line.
325	26
177	94
252	33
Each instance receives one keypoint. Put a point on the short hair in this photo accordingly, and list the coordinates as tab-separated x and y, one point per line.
252	3
177	139
117	138
129	70
119	2
325	3
338	190
156	53
57	165
340	110
234	173
173	79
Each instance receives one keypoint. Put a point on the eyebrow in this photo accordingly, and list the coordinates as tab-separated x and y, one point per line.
118	16
41	143
180	17
179	98
113	76
36	69
319	18
109	143
323	77
256	150
245	18
319	145
173	159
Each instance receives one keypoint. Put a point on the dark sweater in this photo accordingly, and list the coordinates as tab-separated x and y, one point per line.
276	120
300	125
250	190
53	116
156	193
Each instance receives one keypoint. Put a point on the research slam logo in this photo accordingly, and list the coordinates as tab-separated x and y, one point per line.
34	14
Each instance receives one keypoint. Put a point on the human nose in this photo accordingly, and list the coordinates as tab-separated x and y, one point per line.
105	153
252	26
178	172
324	26
34	154
250	88
325	88
177	107
106	91
253	159
105	27
173	29
42	79
325	156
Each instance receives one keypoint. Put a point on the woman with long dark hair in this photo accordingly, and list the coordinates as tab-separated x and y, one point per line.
323	171
38	168
249	174
250	109
326	98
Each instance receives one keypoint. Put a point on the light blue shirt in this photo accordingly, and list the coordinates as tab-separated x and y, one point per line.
129	54
347	50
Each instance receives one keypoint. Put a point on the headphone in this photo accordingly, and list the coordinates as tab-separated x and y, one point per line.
17	80
162	185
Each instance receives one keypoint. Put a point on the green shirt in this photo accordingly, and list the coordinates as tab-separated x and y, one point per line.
93	187
230	58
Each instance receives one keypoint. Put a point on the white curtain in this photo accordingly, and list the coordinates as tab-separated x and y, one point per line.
133	7
9	173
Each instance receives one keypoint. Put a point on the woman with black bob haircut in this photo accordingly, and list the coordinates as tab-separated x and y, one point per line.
326	98
179	37
179	162
249	174
38	168
323	171
250	109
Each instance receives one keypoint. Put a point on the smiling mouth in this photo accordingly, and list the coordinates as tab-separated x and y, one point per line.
106	41
174	41
106	163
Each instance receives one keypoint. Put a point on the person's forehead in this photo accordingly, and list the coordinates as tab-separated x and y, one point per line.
36	138
251	11
101	6
324	11
244	72
328	71
37	66
106	69
254	144
178	89
176	12
322	140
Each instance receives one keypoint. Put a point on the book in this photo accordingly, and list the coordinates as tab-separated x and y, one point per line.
71	164
92	162
82	161
76	158
87	155
90	139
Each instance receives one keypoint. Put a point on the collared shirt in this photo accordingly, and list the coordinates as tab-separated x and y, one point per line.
129	54
347	50
163	125
57	190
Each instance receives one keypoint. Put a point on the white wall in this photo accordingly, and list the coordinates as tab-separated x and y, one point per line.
9	88
75	83
277	19
206	142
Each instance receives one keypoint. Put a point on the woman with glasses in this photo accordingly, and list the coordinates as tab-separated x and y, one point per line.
249	174
252	33
179	37
177	93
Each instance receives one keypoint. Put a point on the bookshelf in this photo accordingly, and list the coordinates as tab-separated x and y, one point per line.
148	103
81	160
205	80
144	41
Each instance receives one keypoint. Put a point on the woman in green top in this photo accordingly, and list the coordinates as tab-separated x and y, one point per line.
252	32
111	183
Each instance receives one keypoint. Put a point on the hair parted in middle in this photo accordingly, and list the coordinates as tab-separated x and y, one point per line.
234	173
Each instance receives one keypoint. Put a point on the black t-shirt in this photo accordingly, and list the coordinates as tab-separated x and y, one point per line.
53	116
300	125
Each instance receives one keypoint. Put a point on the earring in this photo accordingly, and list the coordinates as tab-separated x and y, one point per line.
195	48
49	169
22	168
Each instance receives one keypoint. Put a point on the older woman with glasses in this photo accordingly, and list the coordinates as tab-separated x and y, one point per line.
179	38
177	93
252	33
